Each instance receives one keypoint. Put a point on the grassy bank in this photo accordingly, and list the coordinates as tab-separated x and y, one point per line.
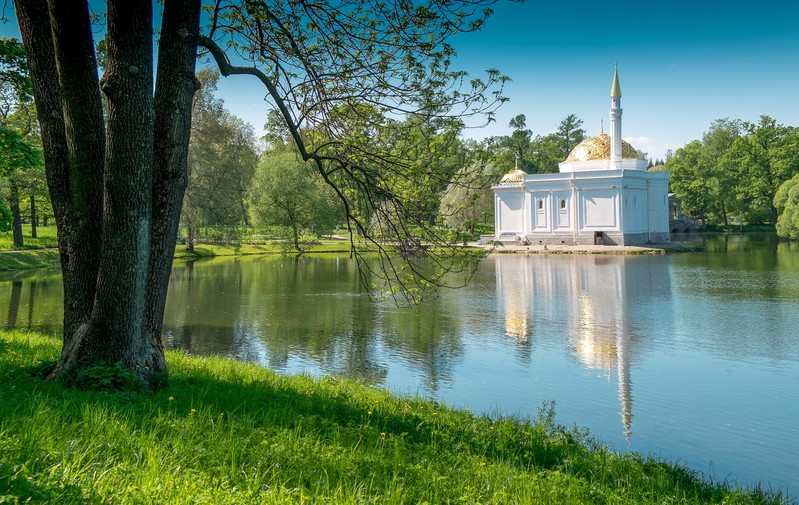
227	432
212	250
22	260
40	252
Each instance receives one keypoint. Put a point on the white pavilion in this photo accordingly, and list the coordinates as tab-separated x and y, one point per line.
603	194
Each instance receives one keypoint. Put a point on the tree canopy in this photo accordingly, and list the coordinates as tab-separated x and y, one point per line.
116	148
734	172
287	192
221	164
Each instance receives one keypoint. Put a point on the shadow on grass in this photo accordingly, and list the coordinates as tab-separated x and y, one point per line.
347	432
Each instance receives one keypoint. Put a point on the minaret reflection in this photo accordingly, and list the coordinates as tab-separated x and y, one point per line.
594	300
601	335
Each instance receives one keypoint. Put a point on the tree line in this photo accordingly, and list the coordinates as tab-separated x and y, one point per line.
740	172
369	102
242	184
358	85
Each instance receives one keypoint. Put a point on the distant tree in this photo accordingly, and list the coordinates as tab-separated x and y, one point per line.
437	153
221	163
758	163
17	114
469	200
569	134
277	135
287	192
786	201
546	152
691	181
17	157
517	143
704	185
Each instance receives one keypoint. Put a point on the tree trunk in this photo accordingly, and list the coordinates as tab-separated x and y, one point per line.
34	217
116	195
74	168
116	332
13	200
174	92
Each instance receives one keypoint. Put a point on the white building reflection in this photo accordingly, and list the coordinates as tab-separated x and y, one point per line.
591	300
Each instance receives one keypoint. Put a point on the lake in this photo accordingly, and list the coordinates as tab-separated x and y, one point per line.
690	357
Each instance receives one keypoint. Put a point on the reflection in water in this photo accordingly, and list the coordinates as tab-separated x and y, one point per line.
595	295
33	298
306	314
707	342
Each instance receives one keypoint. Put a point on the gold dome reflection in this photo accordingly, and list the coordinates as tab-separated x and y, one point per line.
598	148
516	292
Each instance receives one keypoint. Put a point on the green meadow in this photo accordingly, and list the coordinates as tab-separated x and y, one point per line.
226	432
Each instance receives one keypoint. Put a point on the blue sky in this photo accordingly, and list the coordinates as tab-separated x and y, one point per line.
681	65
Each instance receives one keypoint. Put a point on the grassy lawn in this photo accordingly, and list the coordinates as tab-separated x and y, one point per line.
45	238
229	432
33	257
211	250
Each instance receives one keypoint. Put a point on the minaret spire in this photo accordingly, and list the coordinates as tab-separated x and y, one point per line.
615	120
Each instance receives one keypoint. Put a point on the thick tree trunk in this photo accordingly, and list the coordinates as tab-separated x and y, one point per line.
116	196
74	167
13	200
174	92
115	332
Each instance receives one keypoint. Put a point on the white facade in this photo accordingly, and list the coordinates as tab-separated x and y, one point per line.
602	195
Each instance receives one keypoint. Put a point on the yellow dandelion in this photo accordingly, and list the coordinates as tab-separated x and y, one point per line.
482	463
368	412
383	434
171	398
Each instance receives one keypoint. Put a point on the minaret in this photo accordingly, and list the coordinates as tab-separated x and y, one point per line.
615	121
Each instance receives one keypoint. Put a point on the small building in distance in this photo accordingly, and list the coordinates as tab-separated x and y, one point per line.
603	194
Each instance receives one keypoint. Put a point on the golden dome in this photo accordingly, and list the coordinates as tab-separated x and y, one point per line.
598	148
515	176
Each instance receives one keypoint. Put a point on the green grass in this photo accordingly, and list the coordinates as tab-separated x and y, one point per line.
23	260
228	432
274	247
45	238
30	257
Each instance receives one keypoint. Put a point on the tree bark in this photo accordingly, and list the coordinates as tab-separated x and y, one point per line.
116	195
115	332
74	168
174	92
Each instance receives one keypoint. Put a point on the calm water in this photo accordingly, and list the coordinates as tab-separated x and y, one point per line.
690	357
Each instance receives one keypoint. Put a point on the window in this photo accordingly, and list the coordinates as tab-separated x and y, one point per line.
540	204
563	204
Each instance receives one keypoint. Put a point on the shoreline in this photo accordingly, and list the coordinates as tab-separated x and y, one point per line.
224	431
513	248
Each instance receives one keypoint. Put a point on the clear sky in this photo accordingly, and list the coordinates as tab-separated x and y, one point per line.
682	64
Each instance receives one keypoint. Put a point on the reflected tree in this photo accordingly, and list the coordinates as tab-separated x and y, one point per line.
116	148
